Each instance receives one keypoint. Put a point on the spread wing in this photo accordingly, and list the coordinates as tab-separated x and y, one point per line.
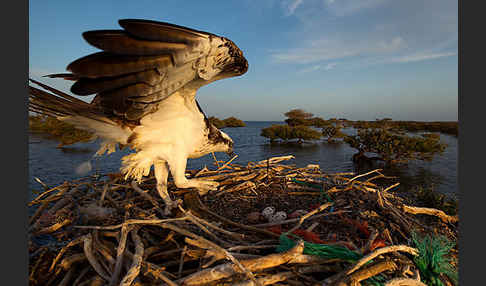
148	61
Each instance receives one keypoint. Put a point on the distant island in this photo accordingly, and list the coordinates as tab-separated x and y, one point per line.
55	129
67	134
228	122
386	138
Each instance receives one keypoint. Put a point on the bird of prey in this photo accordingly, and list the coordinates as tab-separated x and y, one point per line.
145	80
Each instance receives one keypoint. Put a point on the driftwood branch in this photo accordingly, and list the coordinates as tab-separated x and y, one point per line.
430	211
229	269
137	260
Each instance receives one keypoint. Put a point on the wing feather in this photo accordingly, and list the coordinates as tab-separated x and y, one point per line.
87	86
105	64
161	31
148	61
119	42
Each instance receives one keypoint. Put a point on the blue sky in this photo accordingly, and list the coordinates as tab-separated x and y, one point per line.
354	59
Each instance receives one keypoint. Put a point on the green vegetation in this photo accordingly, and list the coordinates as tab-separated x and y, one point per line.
286	133
393	147
228	122
233	122
55	129
298	117
216	122
434	259
298	127
446	127
332	132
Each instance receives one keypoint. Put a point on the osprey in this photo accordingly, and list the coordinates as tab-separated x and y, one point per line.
145	80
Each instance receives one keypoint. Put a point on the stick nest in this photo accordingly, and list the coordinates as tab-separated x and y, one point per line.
107	231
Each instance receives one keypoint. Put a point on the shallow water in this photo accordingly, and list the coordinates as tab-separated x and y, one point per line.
54	166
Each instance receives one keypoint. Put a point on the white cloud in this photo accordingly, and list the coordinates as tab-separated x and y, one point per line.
313	68
326	49
392	45
307	55
291	6
348	7
383	32
421	57
310	69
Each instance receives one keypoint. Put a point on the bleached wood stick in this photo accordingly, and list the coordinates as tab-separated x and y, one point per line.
64	249
130	221
227	163
404	282
119	254
88	251
381	251
368	272
137	260
229	269
430	211
313	212
365	174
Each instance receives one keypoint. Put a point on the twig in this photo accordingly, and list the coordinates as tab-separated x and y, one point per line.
88	251
54	227
130	221
391	187
213	246
67	262
404	282
227	163
81	276
304	217
137	260
119	254
181	261
105	189
147	196
298	219
67	277
362	175
203	228
381	251
370	271
38	198
46	187
430	211
215	160
153	270
64	249
223	219
229	269
234	235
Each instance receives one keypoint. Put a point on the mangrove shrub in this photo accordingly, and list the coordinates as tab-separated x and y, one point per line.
396	148
286	133
58	130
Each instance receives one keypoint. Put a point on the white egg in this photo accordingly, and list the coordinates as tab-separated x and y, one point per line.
278	216
268	212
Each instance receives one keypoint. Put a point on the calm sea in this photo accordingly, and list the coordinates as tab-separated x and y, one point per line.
54	166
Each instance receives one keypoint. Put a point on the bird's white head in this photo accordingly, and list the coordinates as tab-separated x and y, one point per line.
220	141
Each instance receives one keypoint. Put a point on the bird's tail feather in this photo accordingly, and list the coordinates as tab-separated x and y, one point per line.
81	114
59	104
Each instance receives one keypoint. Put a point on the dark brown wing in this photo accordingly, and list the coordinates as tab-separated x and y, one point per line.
147	62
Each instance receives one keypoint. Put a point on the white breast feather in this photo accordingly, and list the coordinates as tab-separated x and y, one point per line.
175	129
